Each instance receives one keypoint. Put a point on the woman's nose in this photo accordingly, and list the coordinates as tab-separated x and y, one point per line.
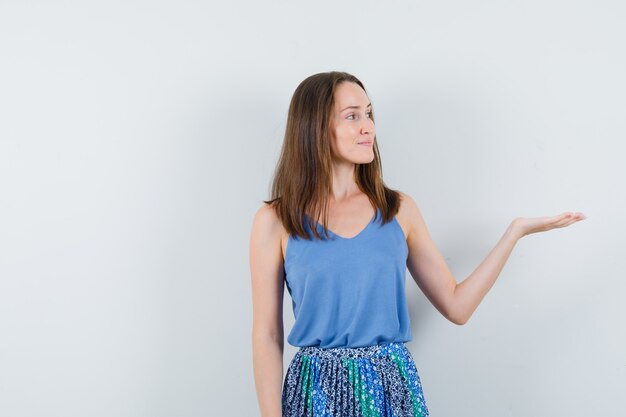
368	126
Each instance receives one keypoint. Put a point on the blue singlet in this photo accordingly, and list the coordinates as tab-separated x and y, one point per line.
349	291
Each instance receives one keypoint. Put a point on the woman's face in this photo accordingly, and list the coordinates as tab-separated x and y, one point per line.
352	129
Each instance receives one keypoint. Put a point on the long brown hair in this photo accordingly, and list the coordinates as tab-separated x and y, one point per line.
302	180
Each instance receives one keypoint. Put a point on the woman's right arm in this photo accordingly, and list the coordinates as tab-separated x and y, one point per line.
266	268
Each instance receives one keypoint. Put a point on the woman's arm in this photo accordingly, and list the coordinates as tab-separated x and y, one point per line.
266	270
457	302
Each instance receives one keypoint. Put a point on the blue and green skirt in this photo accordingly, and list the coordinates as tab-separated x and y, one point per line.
378	380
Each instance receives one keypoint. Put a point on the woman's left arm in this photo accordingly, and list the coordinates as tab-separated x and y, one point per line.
457	302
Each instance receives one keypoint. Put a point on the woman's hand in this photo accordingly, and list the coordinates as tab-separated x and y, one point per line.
525	226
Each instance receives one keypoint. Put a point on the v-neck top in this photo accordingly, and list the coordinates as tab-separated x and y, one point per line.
349	292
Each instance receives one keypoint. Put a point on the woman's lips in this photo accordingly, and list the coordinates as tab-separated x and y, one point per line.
367	143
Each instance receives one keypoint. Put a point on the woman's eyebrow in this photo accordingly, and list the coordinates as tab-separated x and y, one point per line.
356	107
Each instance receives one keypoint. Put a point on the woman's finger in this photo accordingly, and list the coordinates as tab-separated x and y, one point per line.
568	218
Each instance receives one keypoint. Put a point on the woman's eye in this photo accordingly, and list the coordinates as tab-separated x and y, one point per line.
369	114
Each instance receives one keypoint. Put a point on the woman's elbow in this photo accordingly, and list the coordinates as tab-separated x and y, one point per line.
267	335
458	319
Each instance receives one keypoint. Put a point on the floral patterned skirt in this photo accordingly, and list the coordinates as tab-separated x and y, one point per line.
378	380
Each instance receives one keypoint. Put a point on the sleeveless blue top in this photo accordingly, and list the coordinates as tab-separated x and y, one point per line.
349	292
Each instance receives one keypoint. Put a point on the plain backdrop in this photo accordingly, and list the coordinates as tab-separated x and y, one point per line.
138	139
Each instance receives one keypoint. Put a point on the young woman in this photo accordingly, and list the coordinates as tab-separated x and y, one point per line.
341	241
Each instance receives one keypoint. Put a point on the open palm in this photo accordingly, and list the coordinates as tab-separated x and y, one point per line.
528	225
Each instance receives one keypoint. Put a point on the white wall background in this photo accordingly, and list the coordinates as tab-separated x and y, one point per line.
138	138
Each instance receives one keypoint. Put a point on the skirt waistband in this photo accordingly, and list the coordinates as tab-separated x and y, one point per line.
343	352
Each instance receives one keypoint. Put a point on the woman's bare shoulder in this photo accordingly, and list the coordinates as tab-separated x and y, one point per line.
266	246
266	219
267	228
407	203
408	213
